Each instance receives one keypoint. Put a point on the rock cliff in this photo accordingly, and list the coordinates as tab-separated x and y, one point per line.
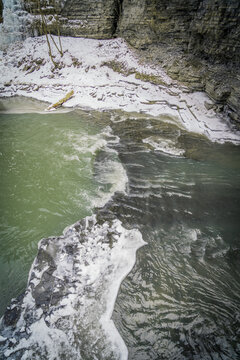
209	28
196	41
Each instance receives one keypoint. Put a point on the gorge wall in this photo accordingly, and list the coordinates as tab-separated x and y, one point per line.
196	41
209	28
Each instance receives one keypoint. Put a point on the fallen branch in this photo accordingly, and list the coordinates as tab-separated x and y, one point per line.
62	101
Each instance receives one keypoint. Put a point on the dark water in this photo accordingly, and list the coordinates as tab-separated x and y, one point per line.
182	298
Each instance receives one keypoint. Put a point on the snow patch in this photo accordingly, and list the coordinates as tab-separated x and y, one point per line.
106	75
167	146
85	268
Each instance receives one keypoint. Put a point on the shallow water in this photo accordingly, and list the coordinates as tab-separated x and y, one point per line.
47	182
182	298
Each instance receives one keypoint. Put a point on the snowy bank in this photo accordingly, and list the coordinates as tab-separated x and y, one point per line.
104	75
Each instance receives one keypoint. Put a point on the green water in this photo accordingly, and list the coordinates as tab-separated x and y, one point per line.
181	300
46	182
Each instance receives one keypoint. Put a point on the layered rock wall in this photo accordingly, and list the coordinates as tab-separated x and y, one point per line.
215	30
84	18
90	18
197	41
208	28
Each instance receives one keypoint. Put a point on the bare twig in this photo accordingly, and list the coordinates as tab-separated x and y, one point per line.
47	34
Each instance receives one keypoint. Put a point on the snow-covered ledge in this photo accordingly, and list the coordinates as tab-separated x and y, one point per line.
107	75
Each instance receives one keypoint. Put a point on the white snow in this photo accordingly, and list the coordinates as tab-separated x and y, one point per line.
167	146
91	276
26	69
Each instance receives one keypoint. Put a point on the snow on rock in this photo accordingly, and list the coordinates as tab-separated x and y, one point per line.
106	74
73	284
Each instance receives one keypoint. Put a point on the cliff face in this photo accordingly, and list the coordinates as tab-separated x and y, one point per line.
215	31
84	18
209	28
90	18
197	41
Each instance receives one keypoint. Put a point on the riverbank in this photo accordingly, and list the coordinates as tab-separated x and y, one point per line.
105	75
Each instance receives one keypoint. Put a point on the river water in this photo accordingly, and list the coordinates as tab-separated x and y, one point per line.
46	184
177	190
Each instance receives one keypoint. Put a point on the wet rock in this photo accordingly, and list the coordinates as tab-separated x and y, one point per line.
233	257
13	312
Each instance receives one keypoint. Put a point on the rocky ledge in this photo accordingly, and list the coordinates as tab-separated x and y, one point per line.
197	42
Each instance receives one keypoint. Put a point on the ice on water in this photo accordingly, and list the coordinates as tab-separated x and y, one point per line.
73	284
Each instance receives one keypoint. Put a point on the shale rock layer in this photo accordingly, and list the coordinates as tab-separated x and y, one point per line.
197	41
